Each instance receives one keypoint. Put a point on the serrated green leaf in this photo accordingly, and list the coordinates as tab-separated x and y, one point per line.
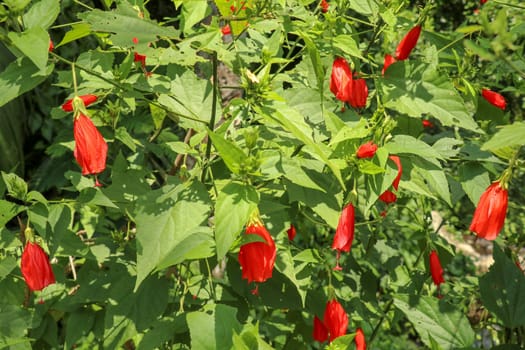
235	203
166	217
419	90
33	43
474	179
213	331
19	77
42	14
430	317
508	136
16	186
234	157
348	45
193	12
503	290
78	31
8	211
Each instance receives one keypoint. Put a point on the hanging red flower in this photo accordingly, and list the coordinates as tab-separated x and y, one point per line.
35	267
324	6
344	234
490	213
257	258
435	269
366	150
90	147
389	59
408	43
389	196
341	79
334	323
358	93
87	99
494	98
51	46
360	342
291	232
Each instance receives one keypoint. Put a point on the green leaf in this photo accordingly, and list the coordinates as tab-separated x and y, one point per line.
293	122
14	321
122	134
474	180
437	319
16	187
407	144
348	45
365	7
78	31
8	211
42	14
213	330
33	43
235	203
191	99
284	263
193	12
124	24
508	136
315	58
166	217
19	77
7	264
415	91
426	178
234	157
503	290
301	171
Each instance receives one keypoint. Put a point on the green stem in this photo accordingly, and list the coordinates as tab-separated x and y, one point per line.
378	325
211	125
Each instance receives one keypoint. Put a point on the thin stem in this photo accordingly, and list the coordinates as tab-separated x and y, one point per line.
211	125
210	280
378	325
74	78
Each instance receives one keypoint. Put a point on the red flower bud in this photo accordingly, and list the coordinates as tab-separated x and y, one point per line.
490	213
360	342
388	196
88	99
291	232
366	150
435	269
344	234
494	98
226	30
35	267
51	46
90	147
427	123
408	43
139	58
389	59
257	258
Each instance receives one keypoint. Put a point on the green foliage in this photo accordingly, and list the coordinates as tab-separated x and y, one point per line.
210	132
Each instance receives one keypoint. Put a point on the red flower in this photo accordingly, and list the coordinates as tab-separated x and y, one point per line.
320	332
35	267
88	99
490	213
291	232
335	319
324	6
388	196
344	234
226	30
408	43
435	269
366	150
427	123
135	40
494	98
482	1
360	342
51	46
389	59
358	94
334	323
257	258
90	147
139	58
341	80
